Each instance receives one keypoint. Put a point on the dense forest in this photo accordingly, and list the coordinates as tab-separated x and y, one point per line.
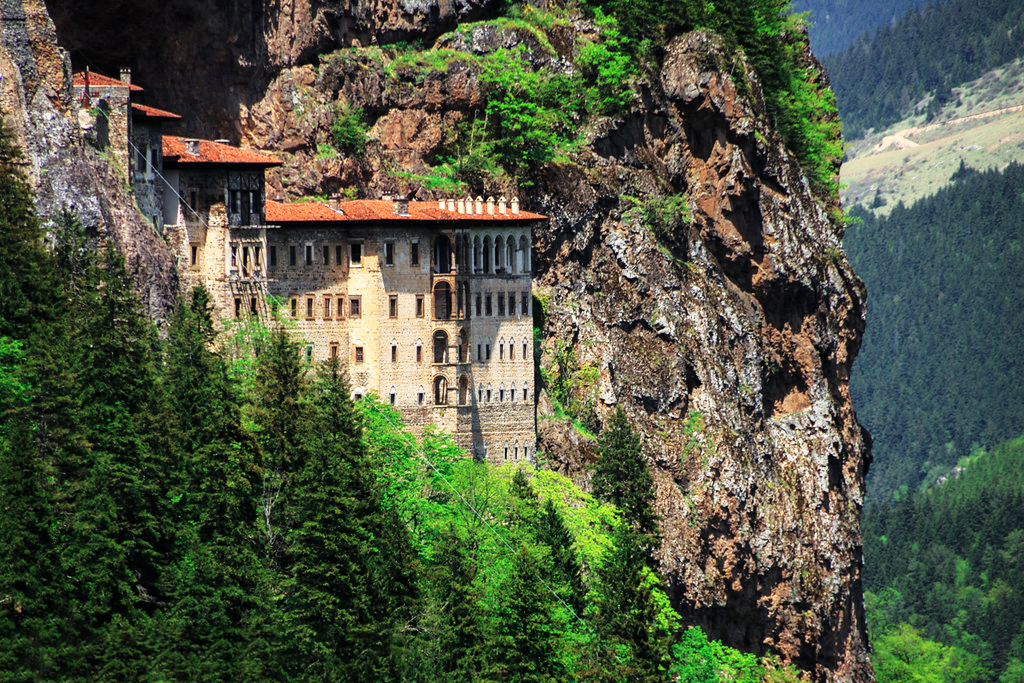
940	373
947	565
204	506
834	24
882	78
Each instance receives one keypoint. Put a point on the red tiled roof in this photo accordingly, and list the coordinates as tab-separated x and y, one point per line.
381	210
210	152
153	112
101	81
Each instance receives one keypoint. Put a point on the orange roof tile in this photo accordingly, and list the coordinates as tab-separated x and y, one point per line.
153	112
100	81
210	152
381	210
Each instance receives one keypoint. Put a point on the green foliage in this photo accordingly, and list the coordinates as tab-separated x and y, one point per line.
663	216
348	131
695	659
606	65
946	324
947	565
571	386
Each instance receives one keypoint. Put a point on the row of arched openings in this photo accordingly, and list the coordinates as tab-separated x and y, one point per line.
484	395
502	254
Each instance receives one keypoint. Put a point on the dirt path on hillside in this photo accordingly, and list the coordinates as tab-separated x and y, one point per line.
900	139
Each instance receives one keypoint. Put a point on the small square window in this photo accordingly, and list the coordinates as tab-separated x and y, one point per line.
339	254
354	306
291	255
359	354
327	255
309	254
356	253
389	253
394	353
419	305
393	306
309	307
272	254
414	254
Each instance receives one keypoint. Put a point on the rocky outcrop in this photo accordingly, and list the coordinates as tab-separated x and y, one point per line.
728	340
37	105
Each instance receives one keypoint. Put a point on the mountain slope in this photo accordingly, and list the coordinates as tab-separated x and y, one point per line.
941	371
837	23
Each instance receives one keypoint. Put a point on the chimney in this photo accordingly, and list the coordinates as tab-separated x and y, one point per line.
440	204
192	146
401	206
451	205
461	206
501	206
515	205
126	75
490	206
479	205
334	201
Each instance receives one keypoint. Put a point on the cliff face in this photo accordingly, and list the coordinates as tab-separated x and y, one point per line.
37	104
728	340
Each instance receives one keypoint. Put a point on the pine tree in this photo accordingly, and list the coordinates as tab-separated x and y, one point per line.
566	570
460	640
621	476
526	644
633	639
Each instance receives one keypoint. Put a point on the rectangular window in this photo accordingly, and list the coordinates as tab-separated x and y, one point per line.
524	350
356	253
526	304
309	355
488	394
339	306
245	261
478	300
195	255
419	354
394	353
236	201
359	354
339	254
354	306
487	349
272	253
252	305
392	396
389	253
334	352
327	255
257	263
511	304
193	200
488	308
511	351
309	254
309	307
512	397
295	307
234	256
327	307
393	306
501	305
419	398
419	305
291	255
501	352
414	254
238	307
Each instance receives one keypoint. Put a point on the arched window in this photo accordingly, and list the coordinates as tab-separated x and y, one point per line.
526	391
440	390
466	255
488	393
506	451
442	254
511	349
501	393
421	396
512	393
524	254
440	346
499	254
480	393
392	395
515	451
463	390
443	301
487	254
510	254
478	262
501	349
